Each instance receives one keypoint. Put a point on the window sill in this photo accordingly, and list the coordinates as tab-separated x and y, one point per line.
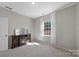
47	35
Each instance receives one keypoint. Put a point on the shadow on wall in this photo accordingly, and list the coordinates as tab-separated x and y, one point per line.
44	40
9	42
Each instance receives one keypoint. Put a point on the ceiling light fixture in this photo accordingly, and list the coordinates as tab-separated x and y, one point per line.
33	3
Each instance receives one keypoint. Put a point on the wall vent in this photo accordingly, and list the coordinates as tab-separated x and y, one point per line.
7	7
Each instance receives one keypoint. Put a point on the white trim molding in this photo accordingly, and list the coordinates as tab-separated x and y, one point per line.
75	53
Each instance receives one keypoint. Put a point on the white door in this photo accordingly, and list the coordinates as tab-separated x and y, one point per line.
3	34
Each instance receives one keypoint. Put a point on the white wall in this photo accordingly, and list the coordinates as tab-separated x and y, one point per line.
65	27
77	27
16	21
38	23
37	29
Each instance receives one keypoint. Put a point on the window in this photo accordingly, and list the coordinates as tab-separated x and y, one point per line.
47	28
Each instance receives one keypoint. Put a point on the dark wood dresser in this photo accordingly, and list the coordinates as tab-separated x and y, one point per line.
19	40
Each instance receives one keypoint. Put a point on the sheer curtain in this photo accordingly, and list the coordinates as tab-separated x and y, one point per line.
53	27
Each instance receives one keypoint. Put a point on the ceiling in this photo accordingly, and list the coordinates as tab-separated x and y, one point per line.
33	11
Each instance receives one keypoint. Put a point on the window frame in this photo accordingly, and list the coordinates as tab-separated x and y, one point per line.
43	28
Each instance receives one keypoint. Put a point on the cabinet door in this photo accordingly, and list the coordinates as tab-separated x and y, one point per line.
14	42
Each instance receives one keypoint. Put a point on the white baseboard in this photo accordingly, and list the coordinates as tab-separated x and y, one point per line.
75	53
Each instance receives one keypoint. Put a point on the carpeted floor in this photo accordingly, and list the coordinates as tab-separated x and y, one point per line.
35	50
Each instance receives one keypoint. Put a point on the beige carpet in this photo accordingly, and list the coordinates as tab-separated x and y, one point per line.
35	50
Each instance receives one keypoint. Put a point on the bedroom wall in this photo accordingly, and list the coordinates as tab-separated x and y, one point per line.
37	29
77	27
38	36
17	21
65	27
